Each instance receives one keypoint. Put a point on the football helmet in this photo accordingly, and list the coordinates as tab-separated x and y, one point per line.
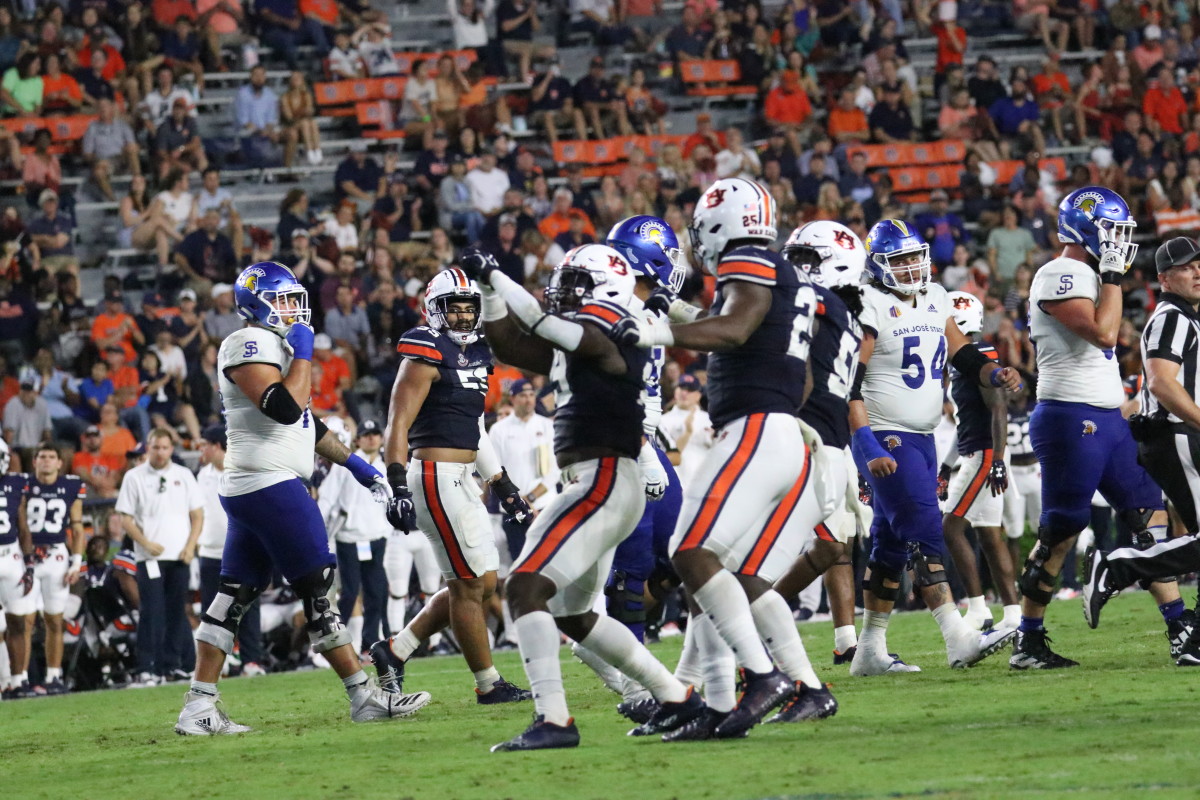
732	209
891	240
1092	214
453	286
829	252
651	248
267	293
594	271
5	457
967	310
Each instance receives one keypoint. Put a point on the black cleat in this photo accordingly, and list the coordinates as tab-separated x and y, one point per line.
501	692
542	735
761	692
174	676
1031	650
388	666
1189	653
56	686
807	703
23	692
846	657
670	716
1179	631
702	728
639	711
1096	591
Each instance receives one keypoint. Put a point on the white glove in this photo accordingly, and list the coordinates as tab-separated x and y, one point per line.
644	331
654	478
380	491
681	311
1112	252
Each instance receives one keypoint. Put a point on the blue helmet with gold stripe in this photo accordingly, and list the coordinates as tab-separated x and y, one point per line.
1089	215
269	294
897	257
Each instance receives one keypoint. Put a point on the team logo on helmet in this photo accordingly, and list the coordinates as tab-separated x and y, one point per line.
251	276
1088	201
653	231
962	302
714	198
892	441
844	240
1089	428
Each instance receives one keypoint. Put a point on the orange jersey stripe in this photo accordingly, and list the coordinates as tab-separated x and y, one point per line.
442	522
606	314
717	492
406	349
976	484
568	523
779	517
822	531
728	268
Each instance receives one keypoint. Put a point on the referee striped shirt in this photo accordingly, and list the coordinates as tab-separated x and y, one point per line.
1172	333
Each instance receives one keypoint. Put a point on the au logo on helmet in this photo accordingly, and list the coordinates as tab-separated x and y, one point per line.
714	198
251	277
843	240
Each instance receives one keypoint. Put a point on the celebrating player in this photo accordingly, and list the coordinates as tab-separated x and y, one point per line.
558	576
265	374
896	402
976	495
1081	440
435	424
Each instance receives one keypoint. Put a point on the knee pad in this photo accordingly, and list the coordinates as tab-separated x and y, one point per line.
1144	540
625	601
1035	573
880	573
219	622
663	579
1137	520
325	629
924	576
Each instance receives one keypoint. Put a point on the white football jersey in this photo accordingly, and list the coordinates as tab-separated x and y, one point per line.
903	384
1069	368
261	451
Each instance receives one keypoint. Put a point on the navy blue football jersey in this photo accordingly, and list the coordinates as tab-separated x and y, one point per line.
48	508
766	373
833	358
974	417
12	488
451	412
594	408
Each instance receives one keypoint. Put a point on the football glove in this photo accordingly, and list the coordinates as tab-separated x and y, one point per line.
659	301
400	511
513	506
27	576
654	478
478	264
1112	253
998	477
300	337
644	333
943	482
865	494
369	477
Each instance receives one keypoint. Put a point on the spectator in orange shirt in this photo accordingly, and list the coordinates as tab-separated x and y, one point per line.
1149	53
325	12
951	41
501	379
165	12
559	219
114	64
704	135
101	472
127	387
115	439
331	377
114	326
847	124
222	23
1052	91
787	107
1164	106
60	92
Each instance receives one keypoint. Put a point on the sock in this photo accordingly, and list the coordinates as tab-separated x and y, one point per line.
723	600
356	683
510	631
206	689
688	669
952	624
1029	624
978	607
404	643
55	673
632	691
5	668
874	631
538	636
609	675
1012	616
1170	611
717	663
355	626
20	678
396	609
614	643
775	625
844	638
485	679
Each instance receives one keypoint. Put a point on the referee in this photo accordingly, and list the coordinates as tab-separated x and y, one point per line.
1168	434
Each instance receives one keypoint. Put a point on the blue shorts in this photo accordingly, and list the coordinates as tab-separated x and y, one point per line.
905	502
1084	449
277	526
647	545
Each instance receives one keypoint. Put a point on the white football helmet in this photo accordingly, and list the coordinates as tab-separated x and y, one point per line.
594	271
5	457
967	310
829	252
453	286
732	209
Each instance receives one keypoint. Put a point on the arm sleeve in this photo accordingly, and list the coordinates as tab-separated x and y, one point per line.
1165	337
487	463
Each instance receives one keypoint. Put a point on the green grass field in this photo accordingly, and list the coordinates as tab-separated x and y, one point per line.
1122	725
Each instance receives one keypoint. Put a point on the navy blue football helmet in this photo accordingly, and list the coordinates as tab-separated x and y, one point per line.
1092	214
268	293
651	248
893	239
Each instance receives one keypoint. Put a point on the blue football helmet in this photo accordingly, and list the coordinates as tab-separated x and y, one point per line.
1092	214
261	294
893	239
651	248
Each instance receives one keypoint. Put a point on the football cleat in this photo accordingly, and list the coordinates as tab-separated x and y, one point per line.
702	728
202	716
145	680
376	703
1095	586
388	666
868	664
1031	650
252	670
670	716
22	692
502	692
542	735
807	703
846	657
639	711
979	647
760	693
1189	654
1179	631
56	686
176	675
979	623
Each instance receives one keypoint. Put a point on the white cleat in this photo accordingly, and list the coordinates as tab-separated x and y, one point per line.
868	663
374	703
201	716
975	648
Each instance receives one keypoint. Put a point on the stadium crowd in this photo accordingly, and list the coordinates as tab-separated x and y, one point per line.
825	105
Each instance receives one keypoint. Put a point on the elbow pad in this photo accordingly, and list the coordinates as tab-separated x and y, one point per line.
860	373
319	428
969	361
278	404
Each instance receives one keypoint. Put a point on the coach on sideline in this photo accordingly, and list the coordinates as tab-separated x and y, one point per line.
162	511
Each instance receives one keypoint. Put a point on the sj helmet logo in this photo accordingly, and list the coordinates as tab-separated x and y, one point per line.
1089	428
891	442
1088	201
653	232
251	277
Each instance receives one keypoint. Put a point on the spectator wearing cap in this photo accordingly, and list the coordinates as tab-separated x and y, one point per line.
110	139
487	184
558	221
222	319
331	377
177	142
785	152
284	28
50	234
100	471
256	119
27	416
150	320
361	539
524	442
357	178
705	134
398	212
211	545
1164	106
941	228
890	120
1149	53
687	425
206	255
554	104
187	326
595	95
113	326
1017	117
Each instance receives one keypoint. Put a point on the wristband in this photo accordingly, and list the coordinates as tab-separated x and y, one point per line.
397	475
74	562
681	311
995	377
359	468
866	446
1111	278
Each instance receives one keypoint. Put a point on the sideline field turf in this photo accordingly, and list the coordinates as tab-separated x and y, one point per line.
1122	725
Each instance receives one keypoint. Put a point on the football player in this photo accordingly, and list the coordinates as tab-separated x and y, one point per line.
436	439
734	537
1023	500
16	577
1081	439
909	335
560	573
265	375
54	516
976	494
